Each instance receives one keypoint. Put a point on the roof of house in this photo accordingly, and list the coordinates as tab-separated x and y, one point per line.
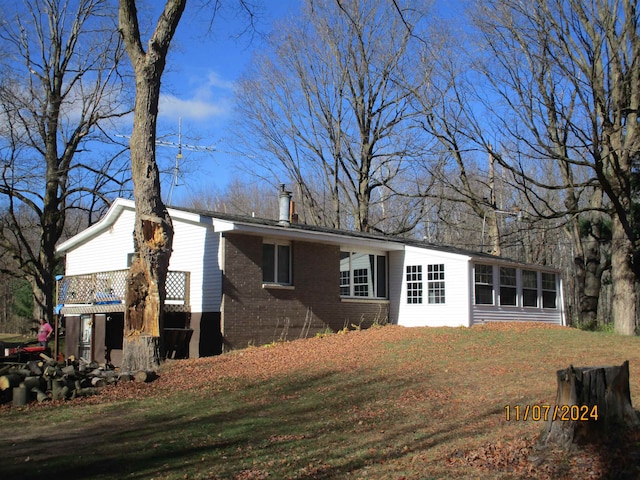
376	237
225	222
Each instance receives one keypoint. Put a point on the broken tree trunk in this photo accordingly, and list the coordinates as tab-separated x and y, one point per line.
591	403
153	232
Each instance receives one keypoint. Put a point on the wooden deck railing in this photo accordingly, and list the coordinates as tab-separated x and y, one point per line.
103	288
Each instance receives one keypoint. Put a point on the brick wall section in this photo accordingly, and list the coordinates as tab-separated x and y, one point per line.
253	315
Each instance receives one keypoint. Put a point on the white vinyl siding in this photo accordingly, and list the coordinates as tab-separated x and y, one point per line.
195	250
442	305
106	251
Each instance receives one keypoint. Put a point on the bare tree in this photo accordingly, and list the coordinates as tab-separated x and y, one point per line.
153	233
58	86
325	109
240	197
568	72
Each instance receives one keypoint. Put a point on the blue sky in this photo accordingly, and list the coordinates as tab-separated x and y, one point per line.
197	88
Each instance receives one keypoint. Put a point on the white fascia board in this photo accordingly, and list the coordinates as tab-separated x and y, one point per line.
189	217
291	233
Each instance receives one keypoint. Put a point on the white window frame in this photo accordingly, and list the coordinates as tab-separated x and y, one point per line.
544	286
414	284
371	285
477	283
436	284
507	286
530	288
547	286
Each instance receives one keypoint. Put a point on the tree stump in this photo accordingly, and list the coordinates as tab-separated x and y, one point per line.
591	403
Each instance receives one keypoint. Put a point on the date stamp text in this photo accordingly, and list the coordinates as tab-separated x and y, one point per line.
538	413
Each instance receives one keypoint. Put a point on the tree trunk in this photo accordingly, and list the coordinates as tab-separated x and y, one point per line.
623	280
153	234
590	263
591	404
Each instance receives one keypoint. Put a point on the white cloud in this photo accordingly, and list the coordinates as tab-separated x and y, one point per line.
206	98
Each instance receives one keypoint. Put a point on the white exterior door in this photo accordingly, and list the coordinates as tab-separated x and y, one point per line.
86	329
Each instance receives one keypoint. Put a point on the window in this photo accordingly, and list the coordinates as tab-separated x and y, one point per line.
517	287
508	286
345	274
276	263
414	284
529	288
484	284
548	290
363	275
435	283
361	279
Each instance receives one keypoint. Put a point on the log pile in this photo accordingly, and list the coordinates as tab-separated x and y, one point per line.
47	379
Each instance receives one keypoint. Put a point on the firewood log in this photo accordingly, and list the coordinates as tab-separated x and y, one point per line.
40	395
86	392
19	396
57	389
34	366
53	372
33	382
48	359
98	382
10	381
144	377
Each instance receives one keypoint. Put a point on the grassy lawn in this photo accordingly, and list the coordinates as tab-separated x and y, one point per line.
15	337
386	403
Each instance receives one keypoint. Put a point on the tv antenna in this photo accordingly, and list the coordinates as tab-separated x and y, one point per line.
180	146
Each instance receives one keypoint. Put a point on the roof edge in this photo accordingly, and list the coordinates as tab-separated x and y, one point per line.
105	222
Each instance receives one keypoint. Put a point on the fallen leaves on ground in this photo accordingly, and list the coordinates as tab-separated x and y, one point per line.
425	352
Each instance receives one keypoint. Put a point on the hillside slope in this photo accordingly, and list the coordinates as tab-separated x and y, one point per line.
385	403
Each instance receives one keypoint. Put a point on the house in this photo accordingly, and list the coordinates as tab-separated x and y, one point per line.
236	281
